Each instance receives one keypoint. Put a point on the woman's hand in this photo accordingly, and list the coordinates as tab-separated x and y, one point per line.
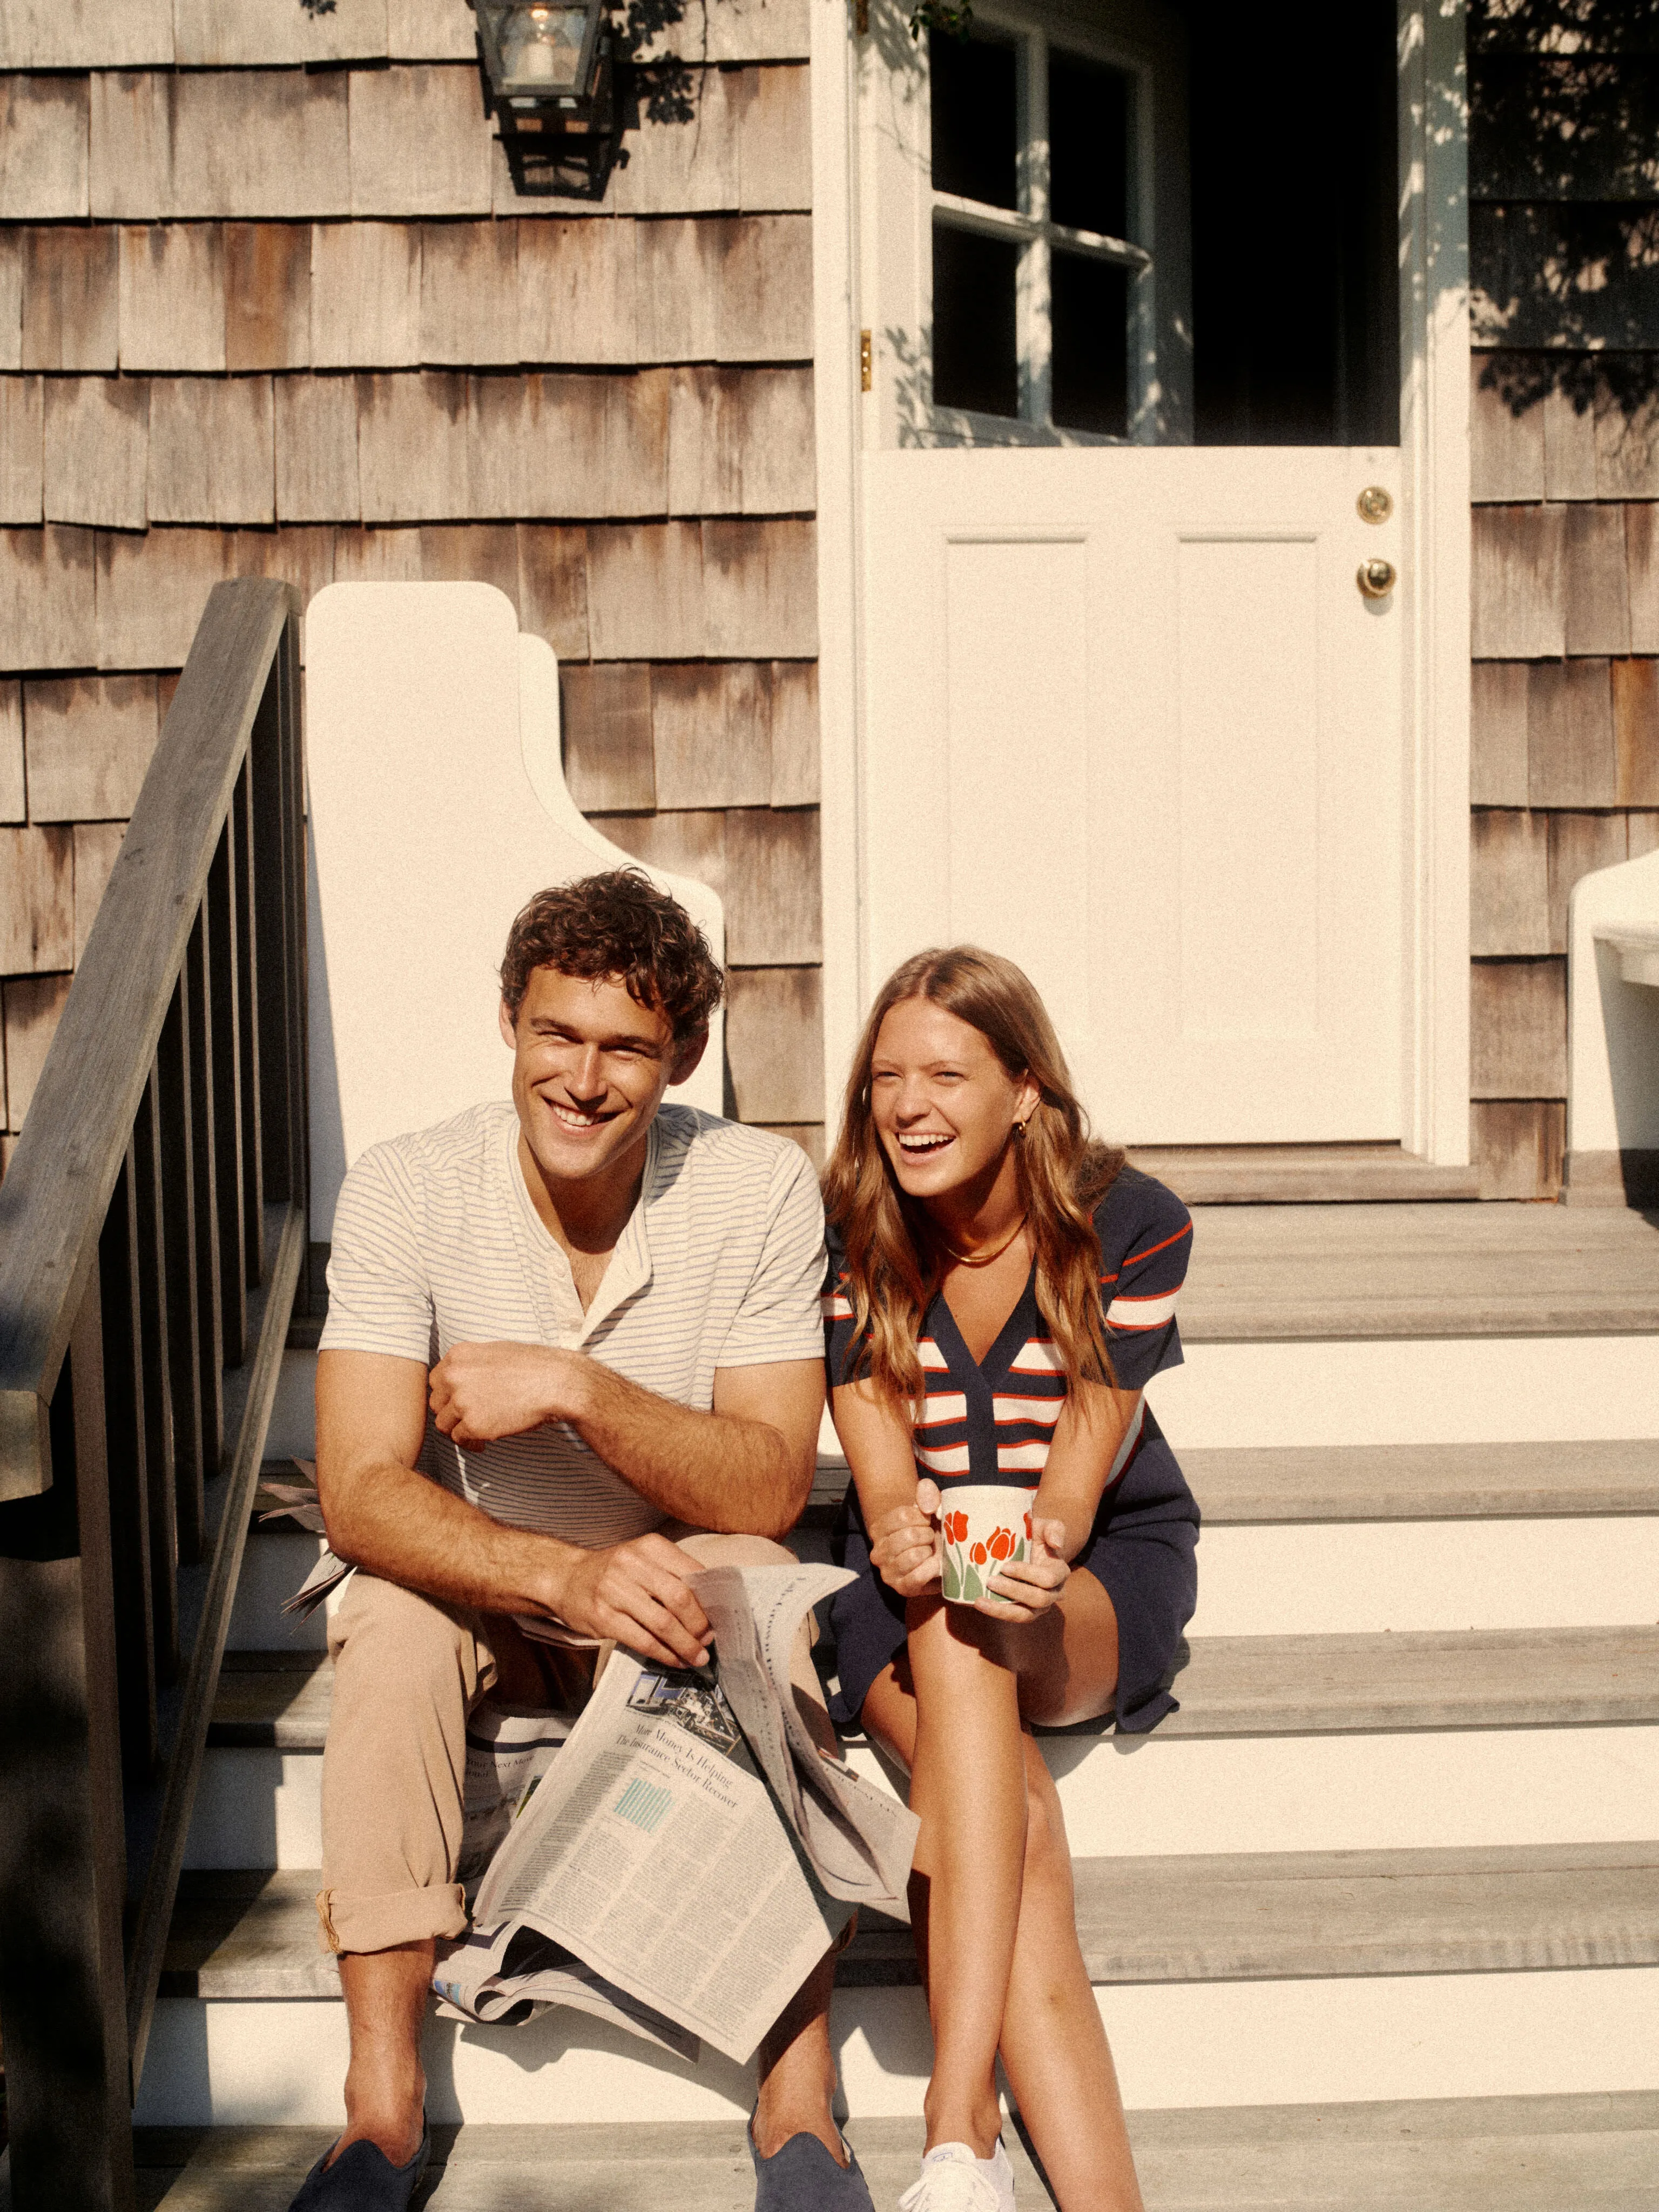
1026	1590
904	1544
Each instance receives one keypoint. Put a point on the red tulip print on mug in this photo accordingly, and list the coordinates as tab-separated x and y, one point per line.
983	1527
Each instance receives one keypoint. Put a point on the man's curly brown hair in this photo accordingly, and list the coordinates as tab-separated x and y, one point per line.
617	925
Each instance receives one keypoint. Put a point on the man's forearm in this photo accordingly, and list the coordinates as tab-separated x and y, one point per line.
402	1527
710	1469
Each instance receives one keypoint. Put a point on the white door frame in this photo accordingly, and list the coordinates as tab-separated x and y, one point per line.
1433	590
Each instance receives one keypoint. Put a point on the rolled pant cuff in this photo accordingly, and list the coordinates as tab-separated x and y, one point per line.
378	1924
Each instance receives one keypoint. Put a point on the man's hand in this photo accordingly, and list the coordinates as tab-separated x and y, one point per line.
904	1543
640	1594
483	1391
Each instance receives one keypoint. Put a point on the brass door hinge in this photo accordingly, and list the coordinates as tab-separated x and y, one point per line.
864	361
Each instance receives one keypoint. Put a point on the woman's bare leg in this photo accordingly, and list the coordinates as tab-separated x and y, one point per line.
968	1788
1053	2045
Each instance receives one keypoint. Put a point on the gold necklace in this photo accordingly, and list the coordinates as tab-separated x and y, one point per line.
979	1259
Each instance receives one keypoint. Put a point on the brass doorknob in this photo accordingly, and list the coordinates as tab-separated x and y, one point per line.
1375	504
1376	579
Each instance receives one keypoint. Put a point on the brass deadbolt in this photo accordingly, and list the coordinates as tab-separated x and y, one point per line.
1376	579
1375	504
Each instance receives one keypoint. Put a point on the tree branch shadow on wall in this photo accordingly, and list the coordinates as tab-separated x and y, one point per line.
1564	178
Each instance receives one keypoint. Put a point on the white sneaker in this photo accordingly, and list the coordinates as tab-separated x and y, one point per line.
954	2180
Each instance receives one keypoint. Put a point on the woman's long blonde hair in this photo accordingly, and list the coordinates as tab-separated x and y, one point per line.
892	1264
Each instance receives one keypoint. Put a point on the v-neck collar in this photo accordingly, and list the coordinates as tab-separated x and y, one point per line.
552	1284
1019	1326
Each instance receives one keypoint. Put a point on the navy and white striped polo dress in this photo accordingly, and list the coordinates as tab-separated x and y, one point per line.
991	1421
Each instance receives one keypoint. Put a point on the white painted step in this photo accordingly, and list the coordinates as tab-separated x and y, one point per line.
1306	1980
1598	2154
1282	1743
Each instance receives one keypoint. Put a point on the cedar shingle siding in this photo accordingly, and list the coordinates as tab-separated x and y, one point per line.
1564	238
269	305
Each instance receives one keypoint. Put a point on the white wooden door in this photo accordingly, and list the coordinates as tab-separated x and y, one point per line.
1130	721
1126	714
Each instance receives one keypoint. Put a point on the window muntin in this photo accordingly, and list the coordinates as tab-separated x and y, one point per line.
1041	331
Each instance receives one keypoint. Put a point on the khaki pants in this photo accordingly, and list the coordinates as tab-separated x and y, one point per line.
407	1672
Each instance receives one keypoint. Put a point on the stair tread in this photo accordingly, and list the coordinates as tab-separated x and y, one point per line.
1266	1916
1256	1175
1232	1685
1451	2154
1323	1272
1422	1482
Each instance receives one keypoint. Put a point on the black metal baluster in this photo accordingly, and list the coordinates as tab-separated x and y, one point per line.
226	1022
247	958
125	1471
159	1447
177	1129
198	994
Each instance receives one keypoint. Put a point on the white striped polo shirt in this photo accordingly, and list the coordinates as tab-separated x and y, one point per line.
436	1244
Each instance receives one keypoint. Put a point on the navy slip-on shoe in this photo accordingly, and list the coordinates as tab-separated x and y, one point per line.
802	2176
363	2180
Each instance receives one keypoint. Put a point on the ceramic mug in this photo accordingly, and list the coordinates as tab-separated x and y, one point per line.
983	1527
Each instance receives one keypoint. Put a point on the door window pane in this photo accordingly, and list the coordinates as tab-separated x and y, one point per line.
1088	145
975	118
975	355
1090	325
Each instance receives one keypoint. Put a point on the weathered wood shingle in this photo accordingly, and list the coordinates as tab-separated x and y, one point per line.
1636	733
14	798
606	718
1570	745
211	455
412	446
1516	583
11	299
37	901
712	728
96	458
89	740
469	294
267	295
316	449
420	145
364	295
43	148
71	300
226	143
575	283
553	586
47	602
1509	883
21	449
263	34
1498	733
171	295
1518	1029
80	35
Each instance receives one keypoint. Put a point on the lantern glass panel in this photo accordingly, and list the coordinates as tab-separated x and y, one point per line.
541	47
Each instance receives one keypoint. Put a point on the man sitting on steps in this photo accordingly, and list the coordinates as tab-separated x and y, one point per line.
573	1352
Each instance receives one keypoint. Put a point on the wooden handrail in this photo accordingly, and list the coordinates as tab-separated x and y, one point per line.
76	1135
153	1232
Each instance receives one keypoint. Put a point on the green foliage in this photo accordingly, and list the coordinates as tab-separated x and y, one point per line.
941	15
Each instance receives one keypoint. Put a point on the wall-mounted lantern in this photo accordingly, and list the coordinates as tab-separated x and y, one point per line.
549	67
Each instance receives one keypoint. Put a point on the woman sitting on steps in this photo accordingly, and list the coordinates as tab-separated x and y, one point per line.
1000	1290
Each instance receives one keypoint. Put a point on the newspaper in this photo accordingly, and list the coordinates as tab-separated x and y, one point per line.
691	1847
